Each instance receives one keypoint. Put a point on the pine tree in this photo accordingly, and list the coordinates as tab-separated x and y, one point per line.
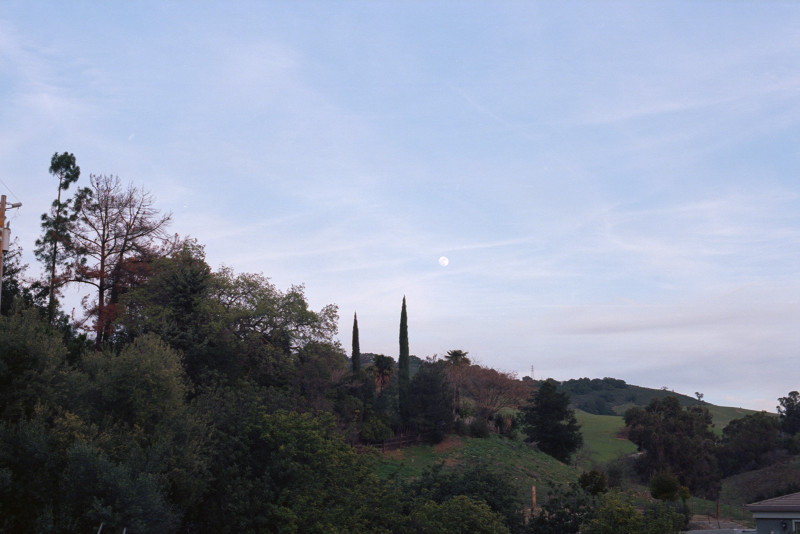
551	423
402	367
356	348
53	247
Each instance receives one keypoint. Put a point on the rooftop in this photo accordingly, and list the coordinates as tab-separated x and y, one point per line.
786	503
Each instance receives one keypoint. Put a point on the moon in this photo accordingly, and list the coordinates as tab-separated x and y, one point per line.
443	261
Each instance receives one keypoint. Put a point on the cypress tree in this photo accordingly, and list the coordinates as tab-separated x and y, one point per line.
356	348
402	367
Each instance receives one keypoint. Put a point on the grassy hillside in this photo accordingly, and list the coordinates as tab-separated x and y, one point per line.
771	481
602	441
725	414
513	458
610	396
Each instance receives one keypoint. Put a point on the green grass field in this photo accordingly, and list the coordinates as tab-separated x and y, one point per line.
512	458
601	441
725	414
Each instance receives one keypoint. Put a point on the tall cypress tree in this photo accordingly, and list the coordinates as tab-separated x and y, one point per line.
356	348
402	367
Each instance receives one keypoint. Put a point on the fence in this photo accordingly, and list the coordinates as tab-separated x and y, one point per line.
397	442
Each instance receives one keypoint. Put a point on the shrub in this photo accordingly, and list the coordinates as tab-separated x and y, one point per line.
479	428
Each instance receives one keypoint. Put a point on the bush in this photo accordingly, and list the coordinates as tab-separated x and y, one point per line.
462	428
664	486
620	471
374	429
593	482
479	428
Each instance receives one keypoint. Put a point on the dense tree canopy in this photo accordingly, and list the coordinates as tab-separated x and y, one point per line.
747	443
677	440
789	411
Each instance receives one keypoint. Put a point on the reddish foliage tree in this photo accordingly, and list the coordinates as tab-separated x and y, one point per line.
493	390
117	233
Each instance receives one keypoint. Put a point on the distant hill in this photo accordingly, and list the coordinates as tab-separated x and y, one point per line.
612	396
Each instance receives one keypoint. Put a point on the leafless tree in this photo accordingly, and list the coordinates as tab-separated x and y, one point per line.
118	230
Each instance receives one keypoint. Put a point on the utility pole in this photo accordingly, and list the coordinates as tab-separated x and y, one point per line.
5	236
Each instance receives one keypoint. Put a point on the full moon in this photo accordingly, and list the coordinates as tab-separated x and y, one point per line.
443	261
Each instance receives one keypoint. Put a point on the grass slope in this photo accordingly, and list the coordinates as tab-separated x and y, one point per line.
723	415
771	481
512	458
610	396
601	439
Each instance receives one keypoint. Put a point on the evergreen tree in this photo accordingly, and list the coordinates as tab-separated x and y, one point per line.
53	247
551	423
356	348
402	367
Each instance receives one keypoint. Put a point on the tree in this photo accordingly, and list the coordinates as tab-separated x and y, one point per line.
431	401
789	412
403	367
174	302
382	366
310	481
747	443
493	390
676	440
356	355
551	424
117	495
615	516
32	359
13	288
320	369
116	230
454	516
594	482
479	480
54	246
664	486
457	369
564	511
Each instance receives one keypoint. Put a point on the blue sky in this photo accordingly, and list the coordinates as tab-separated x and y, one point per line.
615	184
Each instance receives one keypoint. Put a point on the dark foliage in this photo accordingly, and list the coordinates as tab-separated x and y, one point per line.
564	512
431	401
477	481
677	440
749	443
789	412
355	358
593	482
550	423
403	370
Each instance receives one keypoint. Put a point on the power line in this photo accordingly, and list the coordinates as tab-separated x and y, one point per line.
9	190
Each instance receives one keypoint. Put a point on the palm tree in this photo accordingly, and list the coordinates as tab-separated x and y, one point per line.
383	367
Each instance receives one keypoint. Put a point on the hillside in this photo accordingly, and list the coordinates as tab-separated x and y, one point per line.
603	439
611	396
513	458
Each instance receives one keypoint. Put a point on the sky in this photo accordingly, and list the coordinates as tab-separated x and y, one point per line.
614	184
